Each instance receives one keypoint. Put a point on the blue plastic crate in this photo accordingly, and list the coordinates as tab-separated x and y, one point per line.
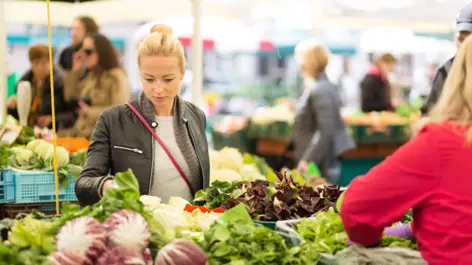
7	188
37	186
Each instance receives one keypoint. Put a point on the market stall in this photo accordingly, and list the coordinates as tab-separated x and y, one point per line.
246	218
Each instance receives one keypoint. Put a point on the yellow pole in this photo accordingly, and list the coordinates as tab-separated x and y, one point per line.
53	111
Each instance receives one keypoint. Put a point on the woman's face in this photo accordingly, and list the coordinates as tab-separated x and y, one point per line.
40	68
78	32
160	77
387	68
89	49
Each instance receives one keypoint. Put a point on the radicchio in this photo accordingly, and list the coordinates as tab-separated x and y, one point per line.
181	252
122	255
83	235
126	228
68	258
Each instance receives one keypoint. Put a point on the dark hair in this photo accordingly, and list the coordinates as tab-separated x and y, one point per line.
89	24
38	51
107	55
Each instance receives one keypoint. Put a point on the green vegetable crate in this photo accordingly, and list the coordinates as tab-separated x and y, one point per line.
237	140
390	134
33	187
277	129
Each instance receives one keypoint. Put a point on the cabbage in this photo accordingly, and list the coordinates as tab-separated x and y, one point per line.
69	258
42	149
231	158
83	235
227	175
21	154
122	256
150	201
181	252
172	221
33	144
62	155
178	202
127	229
216	161
249	172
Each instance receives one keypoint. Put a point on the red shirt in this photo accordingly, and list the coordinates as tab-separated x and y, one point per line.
432	174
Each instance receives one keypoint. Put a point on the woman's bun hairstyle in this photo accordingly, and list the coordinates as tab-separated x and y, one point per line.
165	30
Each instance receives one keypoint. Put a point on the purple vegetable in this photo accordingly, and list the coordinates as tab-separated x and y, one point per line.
121	256
69	258
127	229
83	235
181	252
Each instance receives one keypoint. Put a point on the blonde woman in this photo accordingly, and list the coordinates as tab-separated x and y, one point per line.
159	136
319	132
430	174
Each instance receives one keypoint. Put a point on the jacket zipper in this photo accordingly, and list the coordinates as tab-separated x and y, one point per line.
151	176
137	151
194	145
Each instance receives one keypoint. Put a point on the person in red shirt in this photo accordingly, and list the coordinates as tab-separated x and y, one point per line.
430	174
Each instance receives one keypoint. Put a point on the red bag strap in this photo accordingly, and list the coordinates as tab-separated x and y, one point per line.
161	143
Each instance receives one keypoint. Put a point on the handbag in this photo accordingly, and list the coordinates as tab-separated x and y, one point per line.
164	147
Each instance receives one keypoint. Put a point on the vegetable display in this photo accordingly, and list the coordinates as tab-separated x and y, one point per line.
269	201
127	228
38	155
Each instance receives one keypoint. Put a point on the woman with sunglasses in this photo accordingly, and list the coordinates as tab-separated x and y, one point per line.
430	174
104	86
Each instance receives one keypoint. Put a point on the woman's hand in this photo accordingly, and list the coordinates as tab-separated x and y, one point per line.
302	167
84	107
106	185
11	104
78	61
44	121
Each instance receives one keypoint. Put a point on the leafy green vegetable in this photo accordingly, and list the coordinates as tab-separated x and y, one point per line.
217	193
78	158
30	232
325	232
11	255
392	241
5	155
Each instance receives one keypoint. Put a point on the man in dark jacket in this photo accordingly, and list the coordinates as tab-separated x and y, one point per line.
463	29
38	76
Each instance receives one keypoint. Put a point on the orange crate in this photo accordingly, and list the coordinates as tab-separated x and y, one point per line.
72	144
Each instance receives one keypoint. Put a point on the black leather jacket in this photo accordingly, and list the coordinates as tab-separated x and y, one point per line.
437	86
119	126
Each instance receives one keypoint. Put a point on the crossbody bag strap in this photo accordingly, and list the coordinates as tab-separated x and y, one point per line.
164	147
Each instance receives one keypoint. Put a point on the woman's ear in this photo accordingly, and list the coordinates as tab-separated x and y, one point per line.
182	76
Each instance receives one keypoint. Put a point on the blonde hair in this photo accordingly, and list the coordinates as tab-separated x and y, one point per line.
455	101
313	56
161	43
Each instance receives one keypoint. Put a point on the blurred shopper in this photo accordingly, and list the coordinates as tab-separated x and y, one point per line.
82	26
38	76
376	91
463	29
104	86
430	174
348	87
319	133
159	136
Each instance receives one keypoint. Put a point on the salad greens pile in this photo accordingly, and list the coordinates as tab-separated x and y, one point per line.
237	240
270	201
325	234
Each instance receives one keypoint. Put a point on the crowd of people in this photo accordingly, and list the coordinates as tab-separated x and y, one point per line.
88	78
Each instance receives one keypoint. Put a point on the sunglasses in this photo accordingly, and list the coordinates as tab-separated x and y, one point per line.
88	52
